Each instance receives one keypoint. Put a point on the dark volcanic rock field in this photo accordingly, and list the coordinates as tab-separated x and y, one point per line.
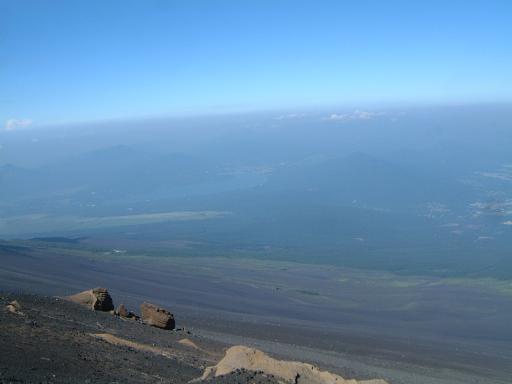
54	341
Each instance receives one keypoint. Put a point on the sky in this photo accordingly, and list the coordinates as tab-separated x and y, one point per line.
64	61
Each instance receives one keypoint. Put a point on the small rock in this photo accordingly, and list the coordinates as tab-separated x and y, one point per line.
121	311
14	307
32	323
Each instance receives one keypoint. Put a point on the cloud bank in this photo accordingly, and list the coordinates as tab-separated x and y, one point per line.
13	124
355	115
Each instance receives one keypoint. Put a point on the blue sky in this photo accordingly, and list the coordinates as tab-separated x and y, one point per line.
68	61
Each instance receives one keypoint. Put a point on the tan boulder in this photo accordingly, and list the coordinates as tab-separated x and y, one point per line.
157	317
14	307
241	357
98	299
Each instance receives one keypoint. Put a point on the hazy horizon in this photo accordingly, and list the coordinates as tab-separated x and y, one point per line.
68	62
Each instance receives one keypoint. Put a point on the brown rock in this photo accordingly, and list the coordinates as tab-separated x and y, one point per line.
156	316
15	304
122	311
14	307
98	299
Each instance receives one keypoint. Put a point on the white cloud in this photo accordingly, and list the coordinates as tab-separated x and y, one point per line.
290	116
335	116
508	222
13	124
484	238
354	115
